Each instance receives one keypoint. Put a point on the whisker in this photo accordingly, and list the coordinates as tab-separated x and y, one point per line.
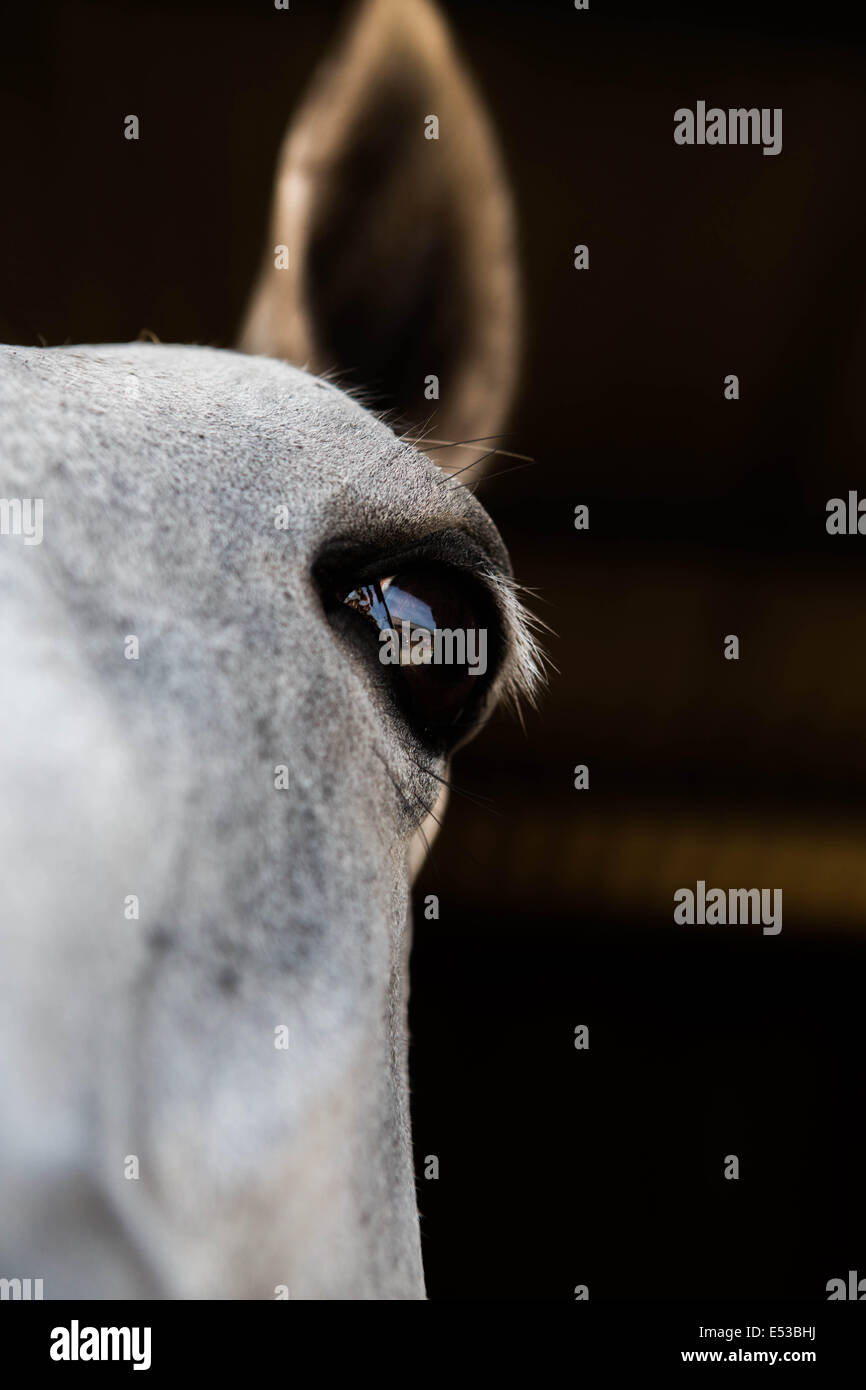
467	444
460	443
419	439
489	477
428	848
465	469
477	799
420	805
418	802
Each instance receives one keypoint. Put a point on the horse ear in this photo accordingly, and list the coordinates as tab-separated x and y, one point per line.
391	259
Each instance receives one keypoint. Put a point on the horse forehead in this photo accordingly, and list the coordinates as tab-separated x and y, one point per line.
148	430
198	414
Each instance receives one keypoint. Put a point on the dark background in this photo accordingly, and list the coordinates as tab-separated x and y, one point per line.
560	1167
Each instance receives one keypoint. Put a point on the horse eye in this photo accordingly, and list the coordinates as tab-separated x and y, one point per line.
433	635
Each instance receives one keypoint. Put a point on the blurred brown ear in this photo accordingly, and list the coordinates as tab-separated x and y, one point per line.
401	275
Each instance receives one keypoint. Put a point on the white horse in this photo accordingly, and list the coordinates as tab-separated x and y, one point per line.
212	791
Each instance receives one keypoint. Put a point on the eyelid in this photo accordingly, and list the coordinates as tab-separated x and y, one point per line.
352	563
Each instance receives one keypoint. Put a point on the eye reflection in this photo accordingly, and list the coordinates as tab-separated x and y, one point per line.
369	600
